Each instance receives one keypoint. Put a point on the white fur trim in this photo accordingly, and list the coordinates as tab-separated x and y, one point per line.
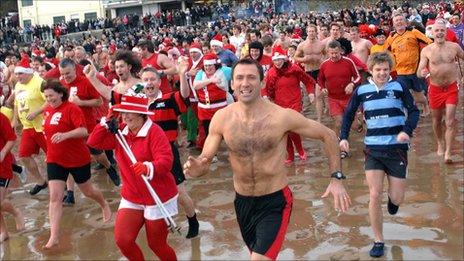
279	56
211	62
216	43
195	50
20	69
103	122
151	169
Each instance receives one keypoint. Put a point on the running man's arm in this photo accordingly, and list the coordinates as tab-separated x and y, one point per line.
196	167
424	61
184	85
413	112
460	54
312	129
299	54
165	62
90	73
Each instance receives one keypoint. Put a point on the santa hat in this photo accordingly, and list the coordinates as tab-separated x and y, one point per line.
278	53
24	66
296	37
210	59
133	104
195	47
35	53
217	40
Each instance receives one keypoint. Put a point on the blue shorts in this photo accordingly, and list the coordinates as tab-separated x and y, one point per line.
412	82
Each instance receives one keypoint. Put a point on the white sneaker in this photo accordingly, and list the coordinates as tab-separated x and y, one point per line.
23	175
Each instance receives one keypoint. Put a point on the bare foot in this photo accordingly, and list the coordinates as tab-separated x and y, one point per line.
19	219
440	150
448	159
51	243
4	237
106	213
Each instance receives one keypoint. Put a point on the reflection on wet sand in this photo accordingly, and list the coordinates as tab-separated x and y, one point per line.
428	226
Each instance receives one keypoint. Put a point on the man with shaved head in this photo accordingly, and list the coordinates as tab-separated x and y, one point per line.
439	57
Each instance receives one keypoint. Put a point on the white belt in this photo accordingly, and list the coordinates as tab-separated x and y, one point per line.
212	105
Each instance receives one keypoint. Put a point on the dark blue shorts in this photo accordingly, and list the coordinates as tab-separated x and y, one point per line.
412	82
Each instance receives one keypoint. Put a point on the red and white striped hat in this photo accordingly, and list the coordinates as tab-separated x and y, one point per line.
195	47
217	40
279	53
210	59
133	104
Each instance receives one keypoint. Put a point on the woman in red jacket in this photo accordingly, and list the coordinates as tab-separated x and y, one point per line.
152	150
65	132
283	87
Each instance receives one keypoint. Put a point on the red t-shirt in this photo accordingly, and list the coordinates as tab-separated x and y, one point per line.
335	76
6	134
82	87
72	152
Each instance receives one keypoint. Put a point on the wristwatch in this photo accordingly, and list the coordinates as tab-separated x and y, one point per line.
338	175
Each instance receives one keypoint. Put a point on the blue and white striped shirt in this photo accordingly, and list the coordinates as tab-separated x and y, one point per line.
388	111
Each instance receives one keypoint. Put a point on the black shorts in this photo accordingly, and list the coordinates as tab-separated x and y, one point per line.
57	172
313	74
263	220
412	82
176	170
4	182
394	161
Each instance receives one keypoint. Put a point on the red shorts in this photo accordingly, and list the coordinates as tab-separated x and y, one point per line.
31	142
337	106
440	96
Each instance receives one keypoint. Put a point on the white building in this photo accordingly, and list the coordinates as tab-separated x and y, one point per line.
41	12
117	8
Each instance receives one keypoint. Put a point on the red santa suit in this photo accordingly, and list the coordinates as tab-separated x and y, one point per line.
283	87
195	47
211	97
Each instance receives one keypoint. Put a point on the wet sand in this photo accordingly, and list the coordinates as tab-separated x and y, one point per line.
428	226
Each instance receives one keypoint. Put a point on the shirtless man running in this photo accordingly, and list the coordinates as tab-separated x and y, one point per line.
310	53
255	132
361	47
439	57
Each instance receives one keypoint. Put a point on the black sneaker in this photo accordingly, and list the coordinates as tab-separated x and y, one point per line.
111	171
68	200
377	249
392	208
37	188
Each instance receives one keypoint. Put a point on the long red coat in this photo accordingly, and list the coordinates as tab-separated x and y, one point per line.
283	85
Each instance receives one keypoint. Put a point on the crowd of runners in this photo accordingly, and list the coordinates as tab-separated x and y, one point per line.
122	100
